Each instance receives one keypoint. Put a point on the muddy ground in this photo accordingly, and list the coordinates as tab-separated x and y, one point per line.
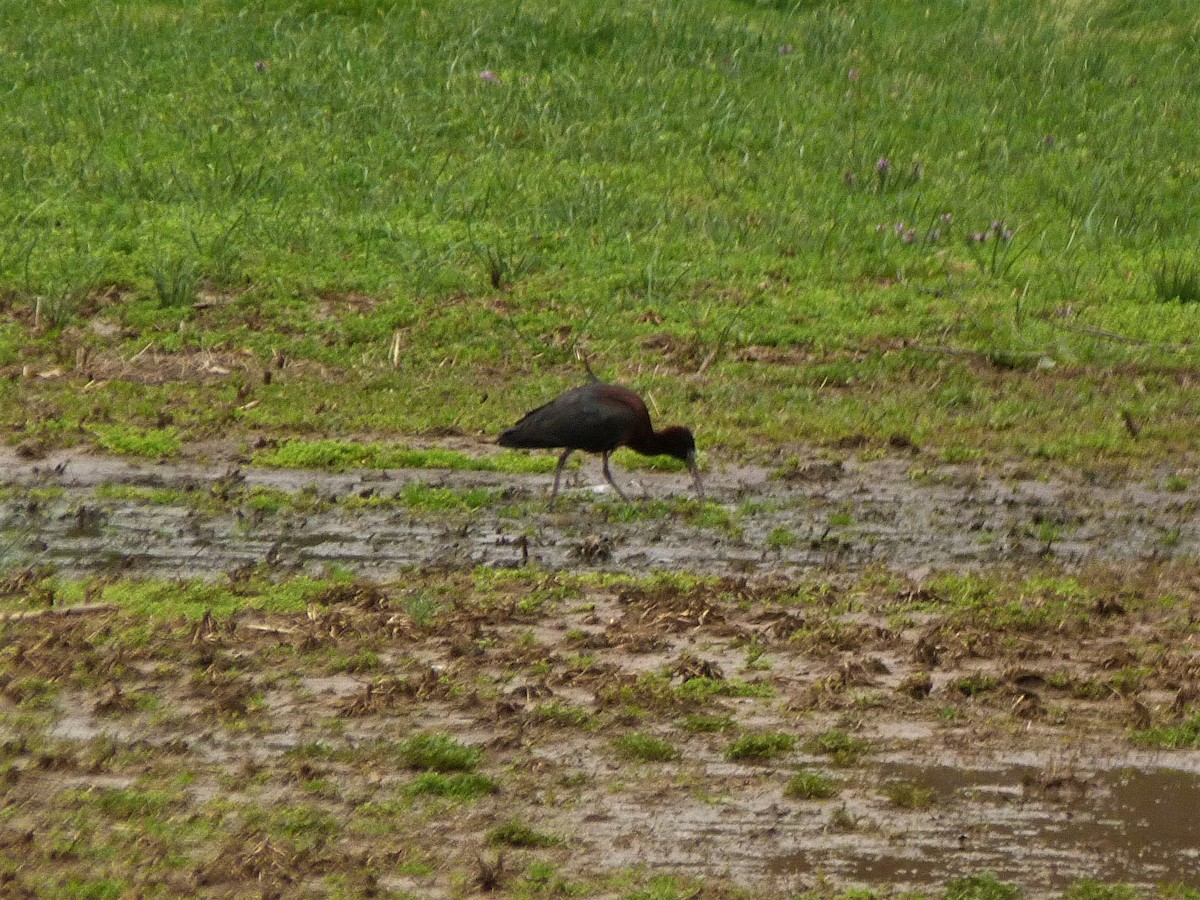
1038	719
893	512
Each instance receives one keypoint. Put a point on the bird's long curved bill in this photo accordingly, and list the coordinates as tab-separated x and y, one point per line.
695	470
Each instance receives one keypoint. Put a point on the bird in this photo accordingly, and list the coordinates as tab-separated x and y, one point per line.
598	418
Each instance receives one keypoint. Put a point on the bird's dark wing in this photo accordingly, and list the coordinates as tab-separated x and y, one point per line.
590	418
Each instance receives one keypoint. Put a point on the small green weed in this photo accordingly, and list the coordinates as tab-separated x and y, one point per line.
518	834
457	786
32	692
909	795
983	886
153	443
811	786
667	887
644	748
1178	280
975	685
439	752
1087	889
130	803
307	826
959	454
338	456
1184	735
561	714
543	877
760	746
101	889
136	494
1130	679
175	282
356	663
841	819
422	608
840	746
841	519
429	498
781	538
702	688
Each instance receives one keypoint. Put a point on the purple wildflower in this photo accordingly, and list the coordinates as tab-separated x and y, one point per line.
261	65
979	236
489	75
852	74
883	166
947	218
899	227
849	178
785	49
909	235
1008	234
997	226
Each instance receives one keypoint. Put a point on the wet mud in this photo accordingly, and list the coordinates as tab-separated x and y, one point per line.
851	515
1004	736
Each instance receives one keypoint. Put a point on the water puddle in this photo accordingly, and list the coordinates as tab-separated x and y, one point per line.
1127	825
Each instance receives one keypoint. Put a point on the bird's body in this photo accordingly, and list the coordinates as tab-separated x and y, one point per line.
599	418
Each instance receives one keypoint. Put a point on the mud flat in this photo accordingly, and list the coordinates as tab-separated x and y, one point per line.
939	681
851	515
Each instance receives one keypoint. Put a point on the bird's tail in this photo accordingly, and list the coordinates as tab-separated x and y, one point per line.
591	375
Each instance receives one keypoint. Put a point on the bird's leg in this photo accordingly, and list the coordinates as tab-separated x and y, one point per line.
609	478
562	461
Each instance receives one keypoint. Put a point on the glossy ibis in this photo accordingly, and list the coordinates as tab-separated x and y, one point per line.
599	418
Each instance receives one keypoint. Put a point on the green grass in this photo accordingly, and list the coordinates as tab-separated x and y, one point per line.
702	688
517	834
561	715
32	692
306	826
1087	889
155	443
982	886
457	786
1182	735
780	538
761	746
138	494
337	198
644	748
842	747
156	601
811	786
131	803
975	685
339	455
909	795
438	753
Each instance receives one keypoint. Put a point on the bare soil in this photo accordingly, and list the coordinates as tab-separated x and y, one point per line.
261	753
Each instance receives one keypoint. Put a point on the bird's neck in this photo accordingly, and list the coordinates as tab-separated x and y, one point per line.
649	442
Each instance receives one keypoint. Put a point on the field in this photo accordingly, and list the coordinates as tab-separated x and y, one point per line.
276	616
